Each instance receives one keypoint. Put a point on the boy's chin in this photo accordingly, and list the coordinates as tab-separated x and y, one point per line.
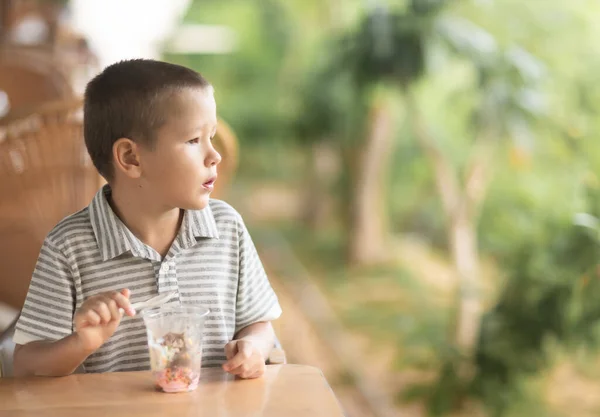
198	204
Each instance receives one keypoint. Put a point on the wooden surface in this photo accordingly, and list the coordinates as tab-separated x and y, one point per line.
284	391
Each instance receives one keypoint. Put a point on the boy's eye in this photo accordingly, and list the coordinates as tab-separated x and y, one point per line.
193	141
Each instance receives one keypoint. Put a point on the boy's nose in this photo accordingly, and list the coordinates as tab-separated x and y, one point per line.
213	158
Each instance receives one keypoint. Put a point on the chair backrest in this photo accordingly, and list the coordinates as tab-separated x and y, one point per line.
45	175
30	77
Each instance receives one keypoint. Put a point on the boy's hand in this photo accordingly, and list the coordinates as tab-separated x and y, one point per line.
99	316
244	359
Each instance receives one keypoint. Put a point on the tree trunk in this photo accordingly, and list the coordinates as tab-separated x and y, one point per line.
464	250
461	204
322	167
367	241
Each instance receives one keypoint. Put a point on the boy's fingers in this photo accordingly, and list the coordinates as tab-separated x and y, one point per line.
126	293
260	372
235	362
114	310
92	318
243	369
103	311
123	302
244	352
255	373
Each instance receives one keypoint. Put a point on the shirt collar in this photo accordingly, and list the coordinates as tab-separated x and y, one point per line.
114	238
197	224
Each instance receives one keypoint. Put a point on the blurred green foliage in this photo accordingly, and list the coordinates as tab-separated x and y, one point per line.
298	77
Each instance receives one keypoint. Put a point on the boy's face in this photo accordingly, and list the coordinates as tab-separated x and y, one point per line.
181	168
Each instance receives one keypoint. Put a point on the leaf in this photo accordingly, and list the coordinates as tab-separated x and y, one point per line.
587	220
468	39
532	101
529	67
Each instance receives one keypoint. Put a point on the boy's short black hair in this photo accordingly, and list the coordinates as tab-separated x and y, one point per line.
130	99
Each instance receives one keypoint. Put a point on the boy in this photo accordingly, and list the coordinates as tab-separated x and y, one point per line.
148	127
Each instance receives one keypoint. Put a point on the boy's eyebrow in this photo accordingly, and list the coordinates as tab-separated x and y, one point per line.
198	129
194	130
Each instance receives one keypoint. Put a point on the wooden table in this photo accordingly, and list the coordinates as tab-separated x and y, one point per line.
284	391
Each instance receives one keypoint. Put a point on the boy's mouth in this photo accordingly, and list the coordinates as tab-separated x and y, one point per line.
210	184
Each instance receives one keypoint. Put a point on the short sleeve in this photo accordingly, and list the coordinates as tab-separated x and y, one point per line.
256	300
49	305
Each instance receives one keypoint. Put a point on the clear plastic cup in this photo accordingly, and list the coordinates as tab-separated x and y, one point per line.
175	343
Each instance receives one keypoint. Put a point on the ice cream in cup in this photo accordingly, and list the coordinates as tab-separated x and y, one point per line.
175	343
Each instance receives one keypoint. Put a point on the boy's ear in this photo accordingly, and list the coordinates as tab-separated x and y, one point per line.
126	158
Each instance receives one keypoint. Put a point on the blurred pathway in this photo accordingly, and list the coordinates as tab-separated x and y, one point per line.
311	334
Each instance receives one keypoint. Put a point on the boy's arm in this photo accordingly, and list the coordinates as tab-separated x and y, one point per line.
256	306
43	358
256	301
261	335
96	320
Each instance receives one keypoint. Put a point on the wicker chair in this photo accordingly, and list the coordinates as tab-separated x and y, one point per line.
45	174
30	78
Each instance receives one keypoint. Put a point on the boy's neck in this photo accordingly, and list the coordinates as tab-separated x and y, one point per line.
156	226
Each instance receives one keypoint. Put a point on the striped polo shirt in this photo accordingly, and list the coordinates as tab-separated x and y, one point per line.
211	263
